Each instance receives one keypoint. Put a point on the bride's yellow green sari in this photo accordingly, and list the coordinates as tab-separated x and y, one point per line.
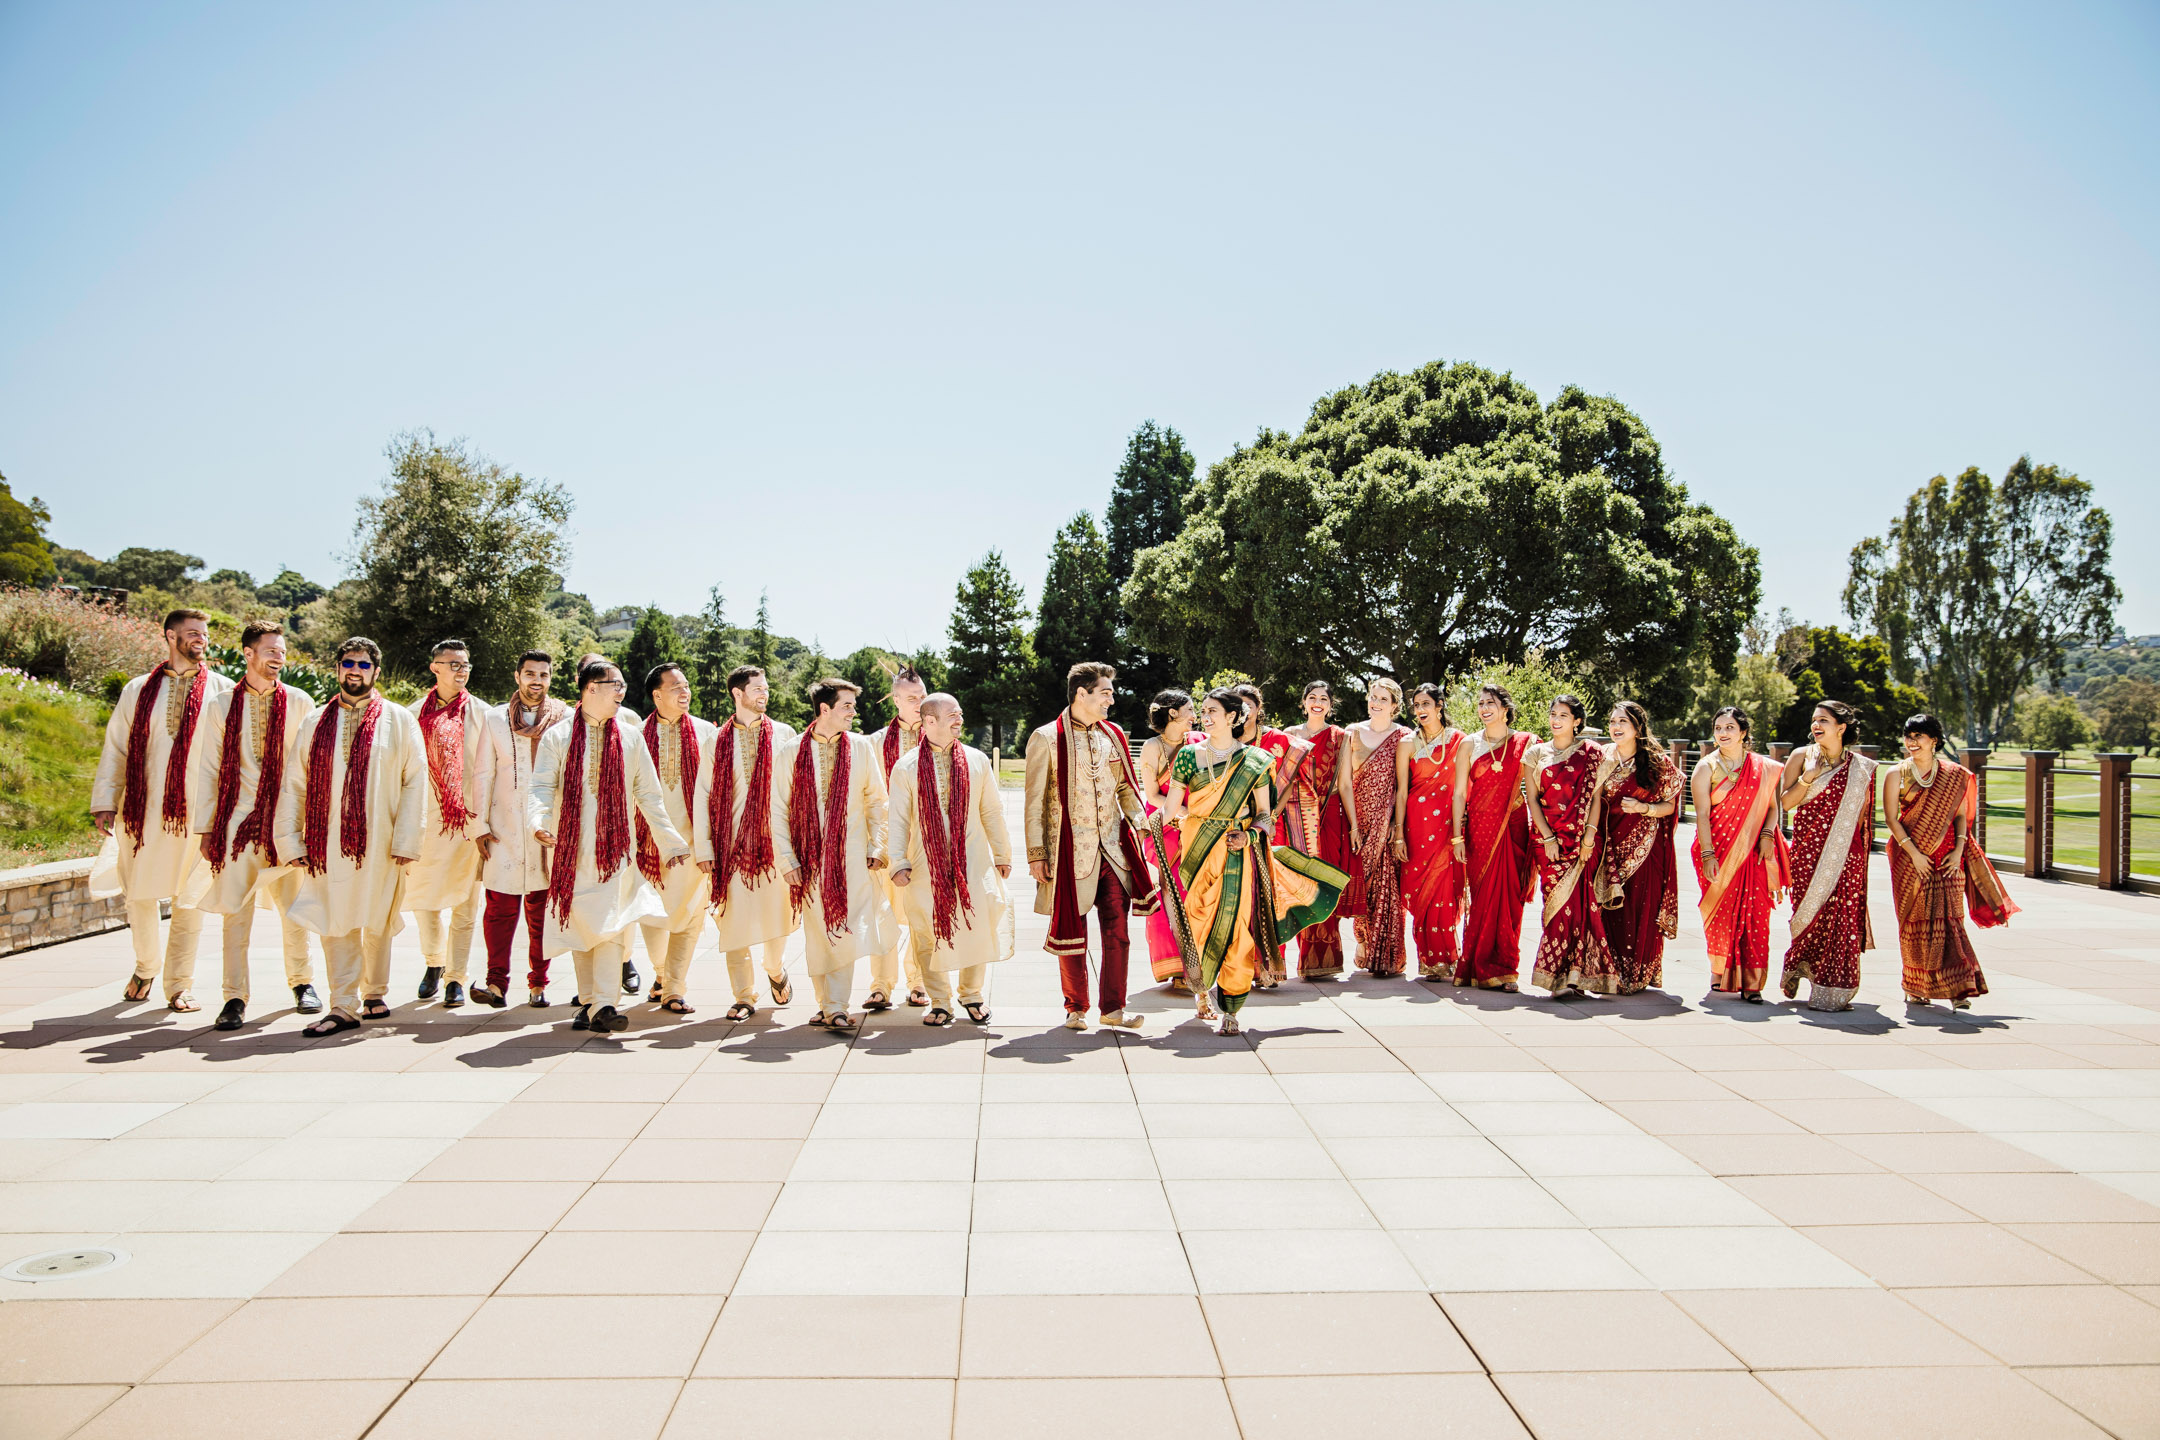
1240	902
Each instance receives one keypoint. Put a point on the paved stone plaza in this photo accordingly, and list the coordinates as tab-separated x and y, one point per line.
1389	1209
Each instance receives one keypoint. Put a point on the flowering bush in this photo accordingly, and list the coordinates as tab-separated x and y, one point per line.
49	741
52	636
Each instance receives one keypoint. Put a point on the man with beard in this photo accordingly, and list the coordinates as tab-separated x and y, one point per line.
513	868
889	744
951	854
461	776
350	816
142	782
749	896
830	829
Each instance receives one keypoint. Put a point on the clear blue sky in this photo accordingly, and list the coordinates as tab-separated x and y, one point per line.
828	300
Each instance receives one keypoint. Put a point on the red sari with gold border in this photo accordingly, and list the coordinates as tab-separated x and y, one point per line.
1496	828
1736	905
1571	949
1374	898
1434	885
1832	829
1638	877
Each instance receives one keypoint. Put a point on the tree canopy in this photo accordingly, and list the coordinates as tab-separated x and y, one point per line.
1147	508
992	665
1856	670
455	545
25	554
1422	524
653	642
1980	588
1078	617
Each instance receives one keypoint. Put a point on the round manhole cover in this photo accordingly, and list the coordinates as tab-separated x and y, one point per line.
64	1264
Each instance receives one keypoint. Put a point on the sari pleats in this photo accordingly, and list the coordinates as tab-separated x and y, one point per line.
1434	883
1500	871
1639	876
1938	957
1572	950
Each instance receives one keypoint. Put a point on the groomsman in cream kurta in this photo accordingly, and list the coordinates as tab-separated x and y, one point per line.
513	872
952	855
461	778
890	743
829	831
142	783
750	898
681	748
249	733
350	816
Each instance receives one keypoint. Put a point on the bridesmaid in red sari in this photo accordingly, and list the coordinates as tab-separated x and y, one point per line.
1313	822
1494	833
1740	857
1433	883
1638	874
1170	716
1567	777
1368	772
1829	790
1938	871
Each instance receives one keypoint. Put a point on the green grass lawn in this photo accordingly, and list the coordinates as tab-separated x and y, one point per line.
49	741
2077	811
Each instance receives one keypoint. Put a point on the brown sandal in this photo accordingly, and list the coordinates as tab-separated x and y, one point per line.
138	988
676	1005
783	989
938	1017
182	1004
741	1010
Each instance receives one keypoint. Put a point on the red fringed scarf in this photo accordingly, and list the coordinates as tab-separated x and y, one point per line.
745	854
648	853
611	842
255	829
944	838
891	749
352	806
135	803
1068	927
820	845
442	726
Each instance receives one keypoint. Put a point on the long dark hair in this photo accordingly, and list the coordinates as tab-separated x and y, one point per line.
1500	693
1649	750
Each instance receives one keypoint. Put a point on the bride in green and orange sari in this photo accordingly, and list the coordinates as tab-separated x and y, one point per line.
1242	894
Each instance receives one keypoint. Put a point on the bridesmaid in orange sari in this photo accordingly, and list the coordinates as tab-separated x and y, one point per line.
1638	874
1433	885
1368	772
1937	872
1567	778
1170	716
1740	856
1493	834
1314	822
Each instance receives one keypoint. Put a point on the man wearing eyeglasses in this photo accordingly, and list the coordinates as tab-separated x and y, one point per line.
461	777
355	797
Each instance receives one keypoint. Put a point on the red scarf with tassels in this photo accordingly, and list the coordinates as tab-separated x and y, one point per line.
352	806
745	853
686	753
944	838
611	838
255	829
889	752
820	843
135	802
442	726
1068	927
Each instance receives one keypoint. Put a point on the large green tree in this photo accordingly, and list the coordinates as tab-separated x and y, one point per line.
1421	524
137	568
653	642
991	664
1980	588
455	545
1078	617
1855	669
1147	508
25	554
711	658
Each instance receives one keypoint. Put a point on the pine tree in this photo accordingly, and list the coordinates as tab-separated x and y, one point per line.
1147	508
652	643
990	660
1078	617
761	645
711	660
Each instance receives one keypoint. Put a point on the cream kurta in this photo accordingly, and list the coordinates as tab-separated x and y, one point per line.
984	932
246	877
167	866
365	894
449	864
684	890
1101	801
601	910
870	926
750	914
515	864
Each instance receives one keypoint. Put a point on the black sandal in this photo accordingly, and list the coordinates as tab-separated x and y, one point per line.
938	1017
374	1010
741	1010
329	1025
918	998
840	1022
676	1005
877	1000
138	988
976	1011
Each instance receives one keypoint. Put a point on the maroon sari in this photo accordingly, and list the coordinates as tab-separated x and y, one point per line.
1571	951
1313	822
1374	898
1830	927
1638	878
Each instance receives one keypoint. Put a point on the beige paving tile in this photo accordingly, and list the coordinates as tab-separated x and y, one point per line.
184	1266
587	1336
2118	1253
835	1336
1043	1262
51	1412
533	1158
1093	1409
573	1120
1263	1204
1574	1330
1081	1335
672	1205
435	1205
1421	1157
2048	1324
1380	1333
753	1087
1231	1262
1373	1407
90	1342
2123	1400
1901	1256
872	1204
1945	1153
1848	1200
1572	1259
1674	1084
357	1338
1654	1200
443	1262
1861	1117
1651	1405
130	1158
1825	1329
1771	1155
904	1409
646	1158
1703	1117
1947	1404
2039	1199
531	1409
262	1410
1792	1084
650	1089
639	1262
856	1262
1706	1257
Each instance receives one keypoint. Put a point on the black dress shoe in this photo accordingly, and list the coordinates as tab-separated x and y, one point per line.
582	1020
536	996
608	1019
490	996
431	982
453	995
630	980
305	1000
230	1017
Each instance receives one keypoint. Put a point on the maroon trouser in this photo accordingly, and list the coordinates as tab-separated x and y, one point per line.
1111	907
499	924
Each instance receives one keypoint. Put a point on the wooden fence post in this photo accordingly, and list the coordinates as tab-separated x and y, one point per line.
2040	812
2114	819
1975	759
